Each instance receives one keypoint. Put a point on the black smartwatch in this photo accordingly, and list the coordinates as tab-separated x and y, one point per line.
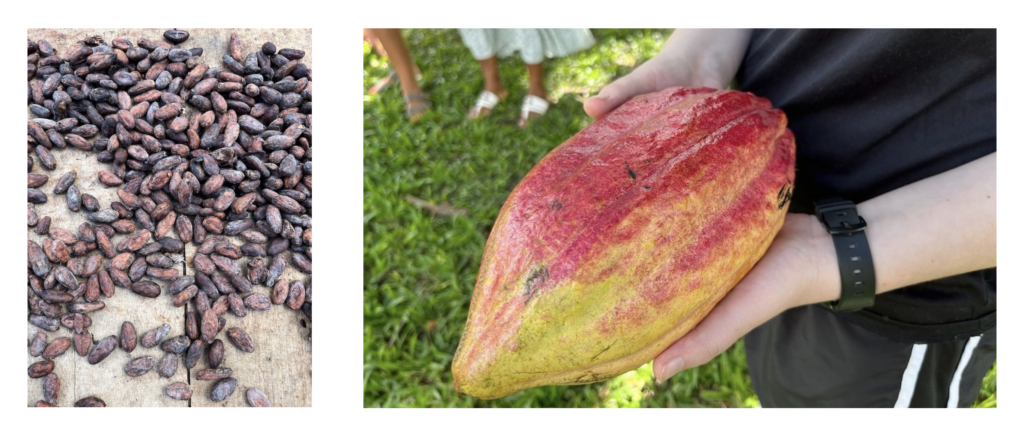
855	266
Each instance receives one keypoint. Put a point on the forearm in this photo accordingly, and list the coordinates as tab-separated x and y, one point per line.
937	227
711	56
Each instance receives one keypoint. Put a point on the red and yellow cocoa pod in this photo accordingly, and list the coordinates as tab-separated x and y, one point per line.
623	238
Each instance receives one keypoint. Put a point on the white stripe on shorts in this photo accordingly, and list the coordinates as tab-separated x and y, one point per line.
910	375
954	386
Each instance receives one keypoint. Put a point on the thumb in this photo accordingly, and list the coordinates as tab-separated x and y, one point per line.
736	315
611	96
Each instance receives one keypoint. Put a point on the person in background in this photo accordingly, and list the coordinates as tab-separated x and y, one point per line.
901	124
393	44
533	45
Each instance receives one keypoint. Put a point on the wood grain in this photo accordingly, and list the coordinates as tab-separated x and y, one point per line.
281	365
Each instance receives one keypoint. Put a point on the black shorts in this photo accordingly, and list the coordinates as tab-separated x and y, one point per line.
809	357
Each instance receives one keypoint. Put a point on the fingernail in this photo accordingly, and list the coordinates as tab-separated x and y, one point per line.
603	95
672	367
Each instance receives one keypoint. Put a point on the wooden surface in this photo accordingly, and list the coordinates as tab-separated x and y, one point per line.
281	365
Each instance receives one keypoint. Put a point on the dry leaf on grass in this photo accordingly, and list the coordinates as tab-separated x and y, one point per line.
437	209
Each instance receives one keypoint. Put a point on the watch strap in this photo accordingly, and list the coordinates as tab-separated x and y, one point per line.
856	268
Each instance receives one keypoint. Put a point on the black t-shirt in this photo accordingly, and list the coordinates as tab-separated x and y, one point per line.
875	110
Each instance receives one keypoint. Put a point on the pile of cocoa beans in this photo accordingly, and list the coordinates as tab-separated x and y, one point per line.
198	154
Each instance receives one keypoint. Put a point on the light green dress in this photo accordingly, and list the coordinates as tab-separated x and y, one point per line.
533	45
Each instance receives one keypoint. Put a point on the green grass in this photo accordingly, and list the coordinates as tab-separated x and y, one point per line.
420	268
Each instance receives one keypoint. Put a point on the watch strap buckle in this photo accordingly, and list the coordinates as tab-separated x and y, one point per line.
839	216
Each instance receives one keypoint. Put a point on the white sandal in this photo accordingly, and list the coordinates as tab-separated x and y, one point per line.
532	104
487	100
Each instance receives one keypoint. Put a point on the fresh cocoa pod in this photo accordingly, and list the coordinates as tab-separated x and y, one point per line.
623	238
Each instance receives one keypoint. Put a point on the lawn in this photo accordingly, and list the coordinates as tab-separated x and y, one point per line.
420	266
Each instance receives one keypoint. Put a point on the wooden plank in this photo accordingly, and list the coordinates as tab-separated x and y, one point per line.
106	380
281	366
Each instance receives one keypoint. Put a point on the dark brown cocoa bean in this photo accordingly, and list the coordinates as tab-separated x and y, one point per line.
226	264
215	356
223	389
105	216
241	339
44	225
77	322
236	304
257	302
37	180
138	269
296	295
280	291
139	366
51	388
109	179
106	283
36	196
168	365
213	374
137	240
92	264
162	273
184	296
256	398
175	345
40	369
221	305
120	278
45	323
146	289
56	348
65	277
191	325
102	350
128	337
276	268
90	402
194	353
122	261
90	203
209	325
35	349
179	391
74	199
82	342
153	337
37	259
86	307
184	228
33	218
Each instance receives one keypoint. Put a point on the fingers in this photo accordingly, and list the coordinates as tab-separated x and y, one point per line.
638	82
736	315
